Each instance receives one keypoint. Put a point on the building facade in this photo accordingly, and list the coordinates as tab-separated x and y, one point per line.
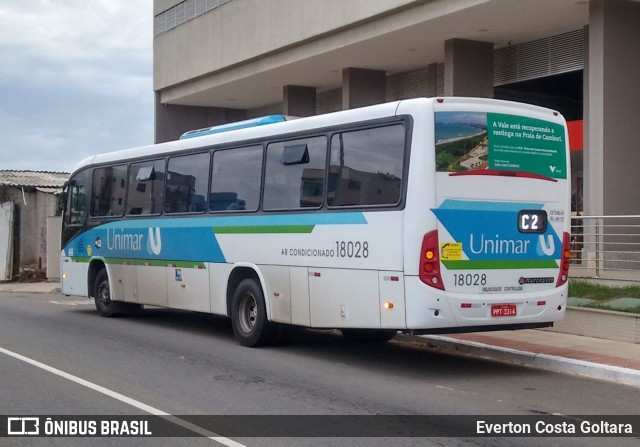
218	61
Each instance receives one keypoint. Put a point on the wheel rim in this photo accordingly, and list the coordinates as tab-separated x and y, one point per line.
248	312
104	296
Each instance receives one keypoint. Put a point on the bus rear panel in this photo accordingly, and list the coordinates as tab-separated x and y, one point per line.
494	254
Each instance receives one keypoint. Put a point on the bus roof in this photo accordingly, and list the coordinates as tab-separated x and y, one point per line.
256	129
247	133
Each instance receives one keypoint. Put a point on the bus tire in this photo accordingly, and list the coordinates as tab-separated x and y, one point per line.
368	335
249	315
102	296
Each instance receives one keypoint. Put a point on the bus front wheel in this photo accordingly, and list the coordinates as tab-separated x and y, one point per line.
102	296
249	315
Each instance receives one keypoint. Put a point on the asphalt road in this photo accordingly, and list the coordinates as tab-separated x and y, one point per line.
185	363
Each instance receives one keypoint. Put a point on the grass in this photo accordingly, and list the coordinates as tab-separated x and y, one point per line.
601	294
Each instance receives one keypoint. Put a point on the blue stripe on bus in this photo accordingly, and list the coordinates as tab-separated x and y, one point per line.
184	239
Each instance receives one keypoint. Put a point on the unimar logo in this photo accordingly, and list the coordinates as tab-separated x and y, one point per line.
482	245
131	242
155	242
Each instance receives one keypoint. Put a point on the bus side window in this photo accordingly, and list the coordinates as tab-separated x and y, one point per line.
75	209
366	167
294	175
108	191
187	183
146	187
235	179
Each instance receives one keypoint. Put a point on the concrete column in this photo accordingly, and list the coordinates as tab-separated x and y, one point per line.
299	100
171	121
223	115
468	68
362	87
612	102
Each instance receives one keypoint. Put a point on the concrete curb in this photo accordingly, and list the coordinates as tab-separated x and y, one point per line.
547	362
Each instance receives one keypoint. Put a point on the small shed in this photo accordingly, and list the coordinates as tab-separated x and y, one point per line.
29	223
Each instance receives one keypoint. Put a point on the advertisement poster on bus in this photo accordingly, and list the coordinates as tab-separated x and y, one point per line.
478	140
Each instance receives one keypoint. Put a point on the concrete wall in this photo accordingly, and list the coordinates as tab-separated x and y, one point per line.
54	230
596	323
30	233
162	5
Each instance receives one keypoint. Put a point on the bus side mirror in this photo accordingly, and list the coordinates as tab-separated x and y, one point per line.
64	195
62	200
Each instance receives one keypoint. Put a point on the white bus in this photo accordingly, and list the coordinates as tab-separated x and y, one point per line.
423	216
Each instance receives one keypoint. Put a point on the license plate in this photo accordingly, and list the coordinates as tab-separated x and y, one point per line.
503	310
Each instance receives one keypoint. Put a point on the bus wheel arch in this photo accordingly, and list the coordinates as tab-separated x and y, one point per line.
95	266
248	309
240	273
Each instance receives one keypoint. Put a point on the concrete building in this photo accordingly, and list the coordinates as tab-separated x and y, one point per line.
30	224
218	61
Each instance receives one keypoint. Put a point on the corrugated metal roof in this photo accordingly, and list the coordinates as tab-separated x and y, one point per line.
37	179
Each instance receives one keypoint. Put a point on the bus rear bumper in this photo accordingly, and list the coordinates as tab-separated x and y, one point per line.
433	311
466	329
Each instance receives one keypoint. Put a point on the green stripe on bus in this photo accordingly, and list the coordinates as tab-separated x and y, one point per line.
501	264
147	262
264	229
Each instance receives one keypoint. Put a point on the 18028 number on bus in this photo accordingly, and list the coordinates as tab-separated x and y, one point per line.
469	279
351	249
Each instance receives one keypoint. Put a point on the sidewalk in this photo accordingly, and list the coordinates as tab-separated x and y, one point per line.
586	356
30	287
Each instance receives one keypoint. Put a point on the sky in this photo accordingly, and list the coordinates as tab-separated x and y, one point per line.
75	79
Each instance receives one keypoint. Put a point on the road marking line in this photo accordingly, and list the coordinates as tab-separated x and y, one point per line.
127	400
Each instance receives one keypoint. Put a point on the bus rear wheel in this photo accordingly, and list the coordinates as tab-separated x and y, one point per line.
249	315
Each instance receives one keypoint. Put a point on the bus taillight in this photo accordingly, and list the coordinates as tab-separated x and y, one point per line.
430	261
564	260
